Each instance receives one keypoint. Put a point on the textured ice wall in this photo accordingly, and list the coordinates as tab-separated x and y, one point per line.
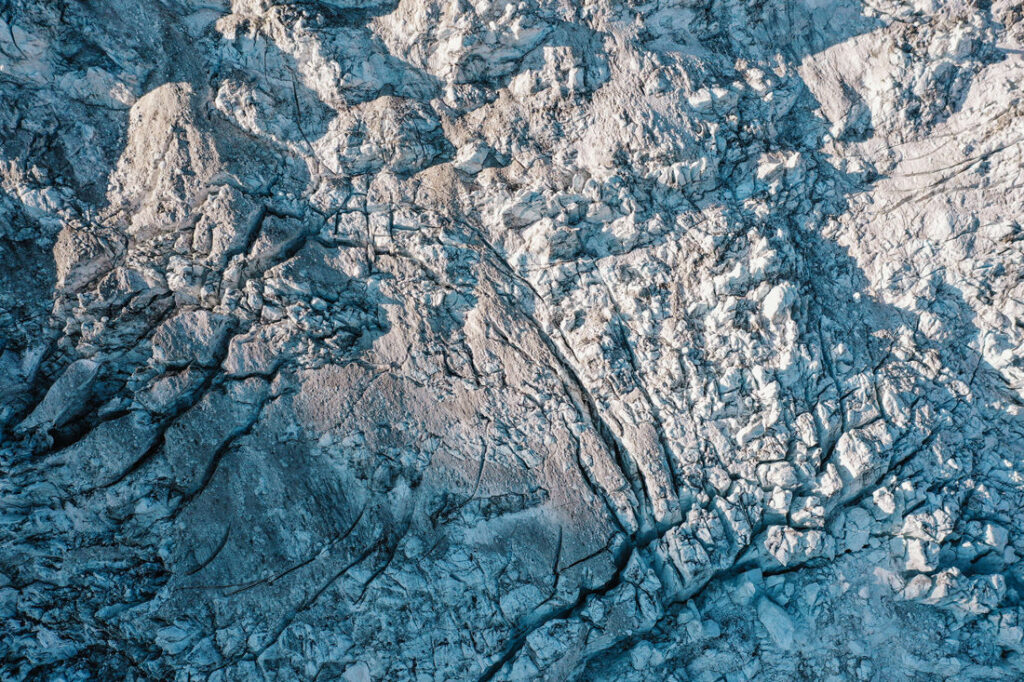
439	339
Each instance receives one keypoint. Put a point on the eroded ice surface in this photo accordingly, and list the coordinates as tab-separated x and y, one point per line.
445	340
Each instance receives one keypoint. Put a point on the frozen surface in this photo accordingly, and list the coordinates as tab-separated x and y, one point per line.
479	340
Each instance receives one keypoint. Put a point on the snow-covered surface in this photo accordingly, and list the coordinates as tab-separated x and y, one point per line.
443	340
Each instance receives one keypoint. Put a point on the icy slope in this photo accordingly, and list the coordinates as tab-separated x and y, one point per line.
432	339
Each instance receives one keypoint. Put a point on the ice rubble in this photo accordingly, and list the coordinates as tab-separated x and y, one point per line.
505	340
